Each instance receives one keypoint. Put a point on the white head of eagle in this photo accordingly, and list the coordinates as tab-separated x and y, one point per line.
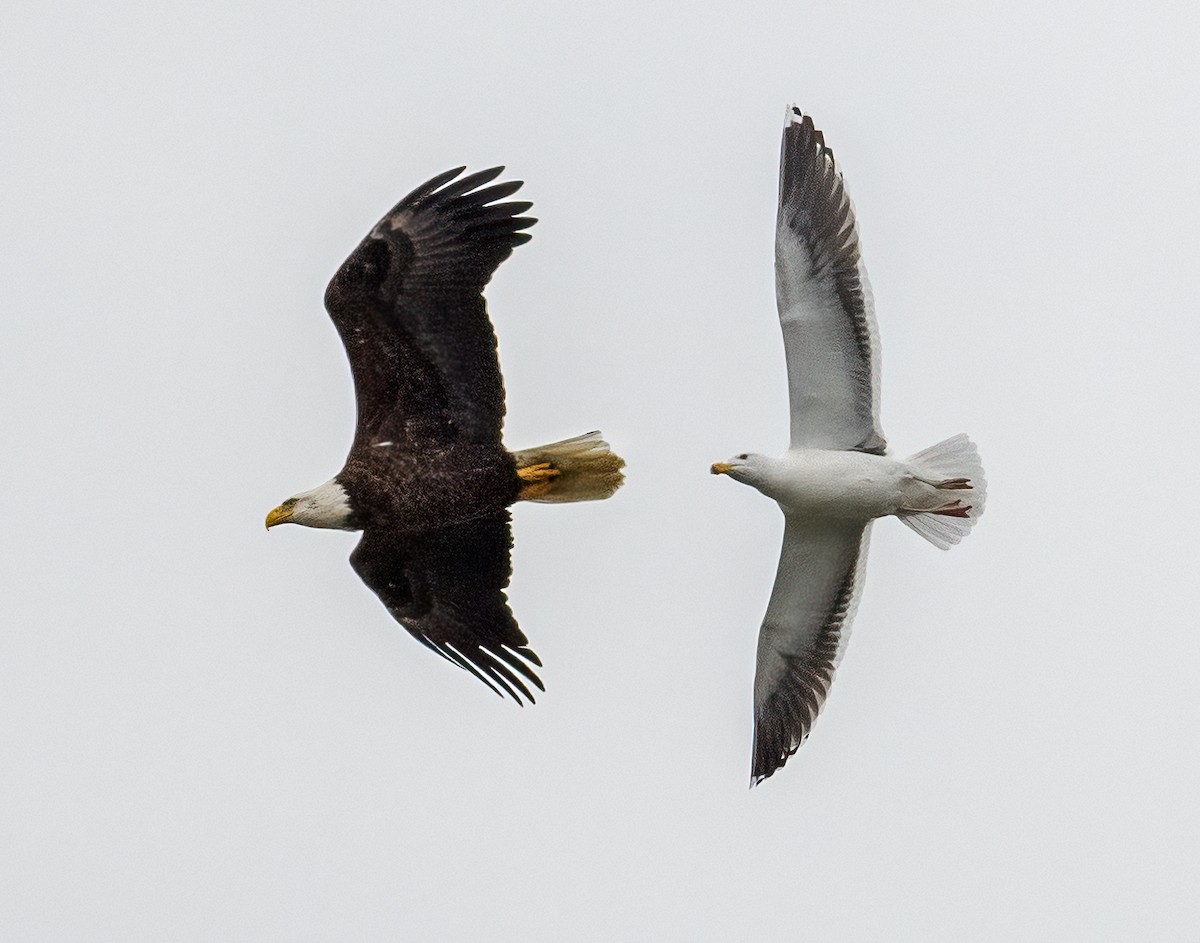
326	505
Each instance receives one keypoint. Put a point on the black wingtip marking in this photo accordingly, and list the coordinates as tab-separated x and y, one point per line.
809	131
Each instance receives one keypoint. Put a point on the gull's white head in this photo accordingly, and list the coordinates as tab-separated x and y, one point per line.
749	468
326	505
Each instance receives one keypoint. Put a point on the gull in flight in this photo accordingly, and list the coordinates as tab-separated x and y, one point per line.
836	476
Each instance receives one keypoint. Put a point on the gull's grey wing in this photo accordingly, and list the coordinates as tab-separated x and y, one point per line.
824	300
804	633
446	586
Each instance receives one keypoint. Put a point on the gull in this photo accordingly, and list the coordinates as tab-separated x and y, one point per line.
836	476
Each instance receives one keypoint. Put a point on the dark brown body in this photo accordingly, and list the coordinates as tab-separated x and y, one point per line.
449	485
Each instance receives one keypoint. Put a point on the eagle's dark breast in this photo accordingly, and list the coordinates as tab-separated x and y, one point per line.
412	491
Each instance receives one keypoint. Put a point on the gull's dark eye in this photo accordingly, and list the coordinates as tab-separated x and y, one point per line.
743	456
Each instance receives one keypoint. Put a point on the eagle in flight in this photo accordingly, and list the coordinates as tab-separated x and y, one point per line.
428	480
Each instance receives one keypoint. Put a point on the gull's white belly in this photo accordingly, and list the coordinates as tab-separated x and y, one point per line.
845	485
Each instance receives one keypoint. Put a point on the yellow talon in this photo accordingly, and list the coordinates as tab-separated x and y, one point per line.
537	473
539	478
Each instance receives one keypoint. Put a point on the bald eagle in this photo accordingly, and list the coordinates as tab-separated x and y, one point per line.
428	480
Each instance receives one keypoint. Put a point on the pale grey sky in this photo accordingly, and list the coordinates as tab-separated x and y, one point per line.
211	733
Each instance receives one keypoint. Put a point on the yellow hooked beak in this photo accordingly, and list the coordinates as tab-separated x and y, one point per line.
280	515
721	468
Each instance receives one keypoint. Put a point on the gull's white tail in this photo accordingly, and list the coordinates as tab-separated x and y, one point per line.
580	469
952	466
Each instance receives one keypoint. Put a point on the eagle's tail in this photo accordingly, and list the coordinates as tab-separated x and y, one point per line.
580	469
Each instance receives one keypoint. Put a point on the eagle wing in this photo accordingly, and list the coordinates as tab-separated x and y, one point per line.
804	633
446	587
824	299
408	304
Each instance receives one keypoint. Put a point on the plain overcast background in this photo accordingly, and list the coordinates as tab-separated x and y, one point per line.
212	733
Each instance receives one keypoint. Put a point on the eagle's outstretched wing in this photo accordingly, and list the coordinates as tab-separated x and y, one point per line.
804	633
446	586
409	307
824	300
